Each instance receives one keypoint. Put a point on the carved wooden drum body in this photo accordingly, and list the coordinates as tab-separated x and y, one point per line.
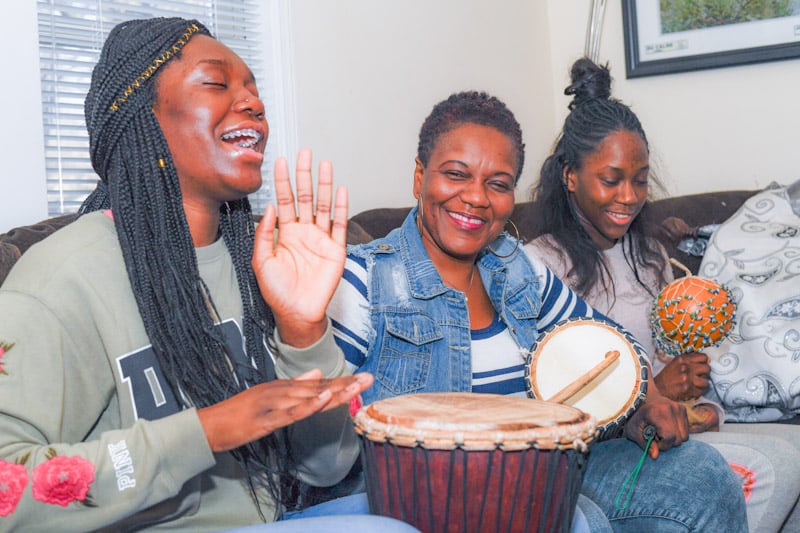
571	348
474	462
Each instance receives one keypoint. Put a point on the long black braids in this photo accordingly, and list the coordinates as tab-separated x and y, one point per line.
594	114
139	183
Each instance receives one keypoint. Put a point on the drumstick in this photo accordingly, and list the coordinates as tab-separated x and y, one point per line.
570	390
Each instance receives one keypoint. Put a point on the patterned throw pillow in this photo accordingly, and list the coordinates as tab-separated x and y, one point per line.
755	373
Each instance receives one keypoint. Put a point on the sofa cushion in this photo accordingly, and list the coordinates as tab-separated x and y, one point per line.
8	256
356	234
380	221
25	236
695	210
17	241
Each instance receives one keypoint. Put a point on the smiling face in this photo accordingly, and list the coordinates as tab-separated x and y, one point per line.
610	187
208	107
466	191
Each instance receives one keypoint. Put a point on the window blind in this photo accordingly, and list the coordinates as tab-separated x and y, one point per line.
71	34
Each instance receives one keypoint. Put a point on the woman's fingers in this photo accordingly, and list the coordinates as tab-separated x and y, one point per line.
324	196
669	419
306	211
315	373
340	207
305	188
284	196
260	410
264	245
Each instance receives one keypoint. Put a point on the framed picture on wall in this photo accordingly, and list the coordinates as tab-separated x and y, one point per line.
668	36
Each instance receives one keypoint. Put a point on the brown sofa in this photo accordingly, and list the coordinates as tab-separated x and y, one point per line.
696	210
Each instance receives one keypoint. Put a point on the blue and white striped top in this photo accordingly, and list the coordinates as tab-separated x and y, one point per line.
498	363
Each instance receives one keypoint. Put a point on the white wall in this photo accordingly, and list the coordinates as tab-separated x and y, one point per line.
725	128
23	191
367	73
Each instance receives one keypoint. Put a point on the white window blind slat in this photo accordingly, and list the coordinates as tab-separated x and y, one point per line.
71	34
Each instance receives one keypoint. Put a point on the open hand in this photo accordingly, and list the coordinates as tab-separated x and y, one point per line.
260	410
298	273
685	377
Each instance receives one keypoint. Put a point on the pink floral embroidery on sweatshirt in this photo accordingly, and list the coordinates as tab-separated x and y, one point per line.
355	405
13	480
62	480
4	348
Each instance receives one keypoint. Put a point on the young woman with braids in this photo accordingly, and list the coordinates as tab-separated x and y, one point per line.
449	302
164	364
594	233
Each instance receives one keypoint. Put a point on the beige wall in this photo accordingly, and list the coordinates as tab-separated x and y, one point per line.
367	72
725	128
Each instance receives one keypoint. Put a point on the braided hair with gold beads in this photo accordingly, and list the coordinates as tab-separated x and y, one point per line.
139	183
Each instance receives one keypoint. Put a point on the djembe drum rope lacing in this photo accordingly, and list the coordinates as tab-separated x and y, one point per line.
578	443
557	439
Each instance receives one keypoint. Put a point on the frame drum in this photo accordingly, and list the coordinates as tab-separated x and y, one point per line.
569	349
474	462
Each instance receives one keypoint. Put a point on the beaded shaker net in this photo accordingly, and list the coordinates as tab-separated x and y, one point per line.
691	313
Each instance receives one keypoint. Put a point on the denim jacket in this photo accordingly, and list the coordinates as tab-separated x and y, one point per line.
421	326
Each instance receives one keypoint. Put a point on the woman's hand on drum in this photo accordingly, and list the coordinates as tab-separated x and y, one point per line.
263	408
669	419
685	377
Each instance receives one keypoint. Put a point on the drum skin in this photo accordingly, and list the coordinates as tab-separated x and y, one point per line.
474	462
570	348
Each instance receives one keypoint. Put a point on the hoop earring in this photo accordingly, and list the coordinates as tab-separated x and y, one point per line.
516	243
419	214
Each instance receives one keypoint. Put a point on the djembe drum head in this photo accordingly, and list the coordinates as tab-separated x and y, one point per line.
569	349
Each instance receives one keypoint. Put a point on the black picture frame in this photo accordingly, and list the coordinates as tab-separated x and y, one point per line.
636	66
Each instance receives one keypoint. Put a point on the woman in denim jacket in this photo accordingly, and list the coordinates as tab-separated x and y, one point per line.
450	302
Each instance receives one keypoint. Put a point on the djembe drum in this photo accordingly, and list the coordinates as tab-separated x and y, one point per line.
474	462
691	313
566	354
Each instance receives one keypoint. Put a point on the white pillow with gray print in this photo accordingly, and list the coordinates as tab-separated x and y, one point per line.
755	372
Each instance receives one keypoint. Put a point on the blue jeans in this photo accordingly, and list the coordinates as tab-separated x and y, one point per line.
688	488
357	505
333	524
349	514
